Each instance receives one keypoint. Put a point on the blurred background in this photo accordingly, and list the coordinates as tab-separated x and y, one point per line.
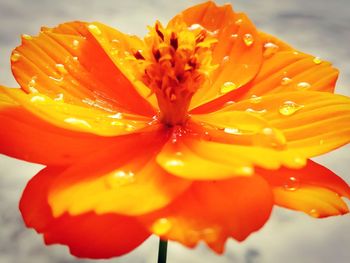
318	27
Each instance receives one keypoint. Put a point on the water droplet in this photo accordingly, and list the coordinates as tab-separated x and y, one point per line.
15	56
77	122
292	184
256	111
314	213
270	49
239	21
289	107
194	27
27	37
285	81
304	85
270	137
75	43
234	36
228	103
255	99
227	87
56	79
32	84
161	226
119	178
248	40
232	131
61	68
225	59
317	60
118	116
59	97
94	29
174	162
38	98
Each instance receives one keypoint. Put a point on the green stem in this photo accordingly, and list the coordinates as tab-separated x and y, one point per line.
162	252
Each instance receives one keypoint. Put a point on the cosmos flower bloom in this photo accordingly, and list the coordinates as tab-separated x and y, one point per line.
193	133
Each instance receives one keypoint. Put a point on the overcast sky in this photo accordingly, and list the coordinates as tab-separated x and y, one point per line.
319	27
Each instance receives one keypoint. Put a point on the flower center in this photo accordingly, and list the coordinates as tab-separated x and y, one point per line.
176	64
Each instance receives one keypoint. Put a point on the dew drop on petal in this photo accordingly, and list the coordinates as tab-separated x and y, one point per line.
94	29
15	56
255	99
285	81
38	98
304	85
174	162
161	226
239	21
289	107
32	84
225	59
232	130
292	184
77	122
248	39
118	116
59	97
27	37
61	68
270	137
270	49
75	43
227	87
314	213
234	36
195	27
317	60
119	178
256	111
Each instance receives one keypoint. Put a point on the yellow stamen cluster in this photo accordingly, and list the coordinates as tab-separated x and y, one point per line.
177	63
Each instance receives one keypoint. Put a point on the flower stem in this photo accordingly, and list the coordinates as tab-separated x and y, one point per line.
162	251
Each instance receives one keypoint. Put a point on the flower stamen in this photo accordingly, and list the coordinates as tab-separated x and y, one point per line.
177	63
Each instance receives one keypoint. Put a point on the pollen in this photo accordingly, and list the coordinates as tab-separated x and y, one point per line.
177	63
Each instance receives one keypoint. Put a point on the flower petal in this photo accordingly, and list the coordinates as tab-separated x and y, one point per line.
88	235
312	122
77	118
68	62
131	177
27	137
282	70
121	48
238	51
211	152
213	211
313	189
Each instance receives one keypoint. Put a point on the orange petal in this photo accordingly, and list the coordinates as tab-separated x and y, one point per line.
292	71
121	49
238	51
213	211
131	177
77	118
192	156
284	71
88	235
312	122
27	137
67	62
313	189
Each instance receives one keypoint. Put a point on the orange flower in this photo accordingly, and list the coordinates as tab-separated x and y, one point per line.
192	133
